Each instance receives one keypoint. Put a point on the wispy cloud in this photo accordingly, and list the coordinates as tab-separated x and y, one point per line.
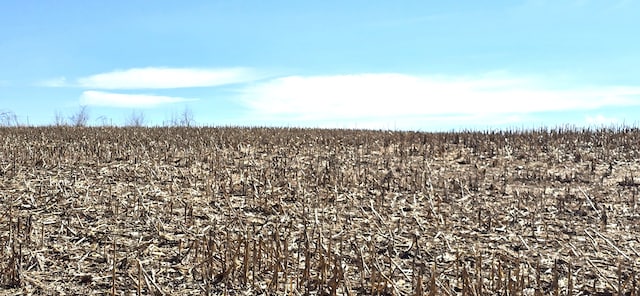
54	82
392	98
601	120
108	99
159	78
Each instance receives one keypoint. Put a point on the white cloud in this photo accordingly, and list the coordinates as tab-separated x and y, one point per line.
107	99
600	120
390	98
159	78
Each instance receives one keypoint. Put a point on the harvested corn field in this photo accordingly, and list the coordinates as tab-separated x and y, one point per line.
265	211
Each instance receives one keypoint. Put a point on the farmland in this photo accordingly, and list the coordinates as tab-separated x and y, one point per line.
251	211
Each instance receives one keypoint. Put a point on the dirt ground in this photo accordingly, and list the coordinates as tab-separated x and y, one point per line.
265	211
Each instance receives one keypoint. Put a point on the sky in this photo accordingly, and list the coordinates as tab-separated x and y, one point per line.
398	65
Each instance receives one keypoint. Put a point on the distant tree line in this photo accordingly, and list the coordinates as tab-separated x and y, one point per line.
8	118
81	118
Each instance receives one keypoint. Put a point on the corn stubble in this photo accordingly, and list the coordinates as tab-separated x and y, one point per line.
265	211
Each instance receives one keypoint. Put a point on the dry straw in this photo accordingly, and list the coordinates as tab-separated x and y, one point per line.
266	211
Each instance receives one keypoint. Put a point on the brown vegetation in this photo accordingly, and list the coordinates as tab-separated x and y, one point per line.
250	211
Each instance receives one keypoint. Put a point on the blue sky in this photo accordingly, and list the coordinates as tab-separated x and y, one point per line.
416	65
